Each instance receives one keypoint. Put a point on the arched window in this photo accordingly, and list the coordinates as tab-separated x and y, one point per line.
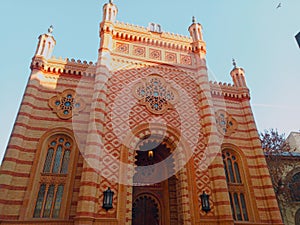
54	177
236	186
294	186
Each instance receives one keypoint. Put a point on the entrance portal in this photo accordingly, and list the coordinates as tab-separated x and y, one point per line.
154	203
145	211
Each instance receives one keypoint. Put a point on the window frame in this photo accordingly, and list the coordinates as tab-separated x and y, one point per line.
237	187
38	177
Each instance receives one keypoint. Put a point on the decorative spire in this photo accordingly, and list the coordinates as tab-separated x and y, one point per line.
234	63
194	19
111	1
50	40
50	30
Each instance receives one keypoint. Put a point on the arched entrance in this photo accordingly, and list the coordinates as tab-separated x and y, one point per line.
154	191
145	210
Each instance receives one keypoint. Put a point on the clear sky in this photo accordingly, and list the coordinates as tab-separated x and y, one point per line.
255	33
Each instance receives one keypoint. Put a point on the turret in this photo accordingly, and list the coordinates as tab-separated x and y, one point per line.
238	75
110	12
198	44
46	44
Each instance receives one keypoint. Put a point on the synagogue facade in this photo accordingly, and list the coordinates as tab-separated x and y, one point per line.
139	137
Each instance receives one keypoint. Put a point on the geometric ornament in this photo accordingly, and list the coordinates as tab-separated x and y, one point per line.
156	94
66	104
226	123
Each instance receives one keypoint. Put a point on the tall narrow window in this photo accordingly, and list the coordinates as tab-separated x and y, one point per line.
39	202
59	193
49	199
235	186
48	162
58	156
53	177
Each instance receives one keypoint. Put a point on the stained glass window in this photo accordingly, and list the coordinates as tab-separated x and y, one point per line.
244	209
226	124
231	168
58	156
237	173
67	104
57	159
65	162
55	172
49	202
237	207
58	200
235	186
48	161
39	202
156	94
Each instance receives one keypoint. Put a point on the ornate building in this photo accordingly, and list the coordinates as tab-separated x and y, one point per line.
145	123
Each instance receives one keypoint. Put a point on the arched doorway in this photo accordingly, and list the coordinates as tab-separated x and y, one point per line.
145	210
154	203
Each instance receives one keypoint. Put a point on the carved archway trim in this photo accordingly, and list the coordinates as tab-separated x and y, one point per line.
173	138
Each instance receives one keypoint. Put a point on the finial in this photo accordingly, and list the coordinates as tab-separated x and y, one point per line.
111	1
50	29
234	63
193	19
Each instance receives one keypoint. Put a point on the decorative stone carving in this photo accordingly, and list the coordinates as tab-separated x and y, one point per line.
185	60
171	57
156	94
122	48
226	123
155	54
66	104
139	51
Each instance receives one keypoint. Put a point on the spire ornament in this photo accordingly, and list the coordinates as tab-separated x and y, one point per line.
234	63
194	19
50	30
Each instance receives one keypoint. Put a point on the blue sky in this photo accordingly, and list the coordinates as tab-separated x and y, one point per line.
255	33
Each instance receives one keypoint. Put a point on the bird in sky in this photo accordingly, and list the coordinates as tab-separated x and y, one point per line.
279	5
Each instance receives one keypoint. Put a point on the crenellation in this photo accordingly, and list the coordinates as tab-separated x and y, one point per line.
142	34
228	90
64	66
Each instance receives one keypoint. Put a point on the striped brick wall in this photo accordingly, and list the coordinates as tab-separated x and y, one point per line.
34	119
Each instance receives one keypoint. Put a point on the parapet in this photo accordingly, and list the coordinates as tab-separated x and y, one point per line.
135	33
64	66
219	89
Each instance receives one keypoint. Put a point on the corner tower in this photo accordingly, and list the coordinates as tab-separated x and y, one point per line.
198	45
46	44
238	75
110	12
